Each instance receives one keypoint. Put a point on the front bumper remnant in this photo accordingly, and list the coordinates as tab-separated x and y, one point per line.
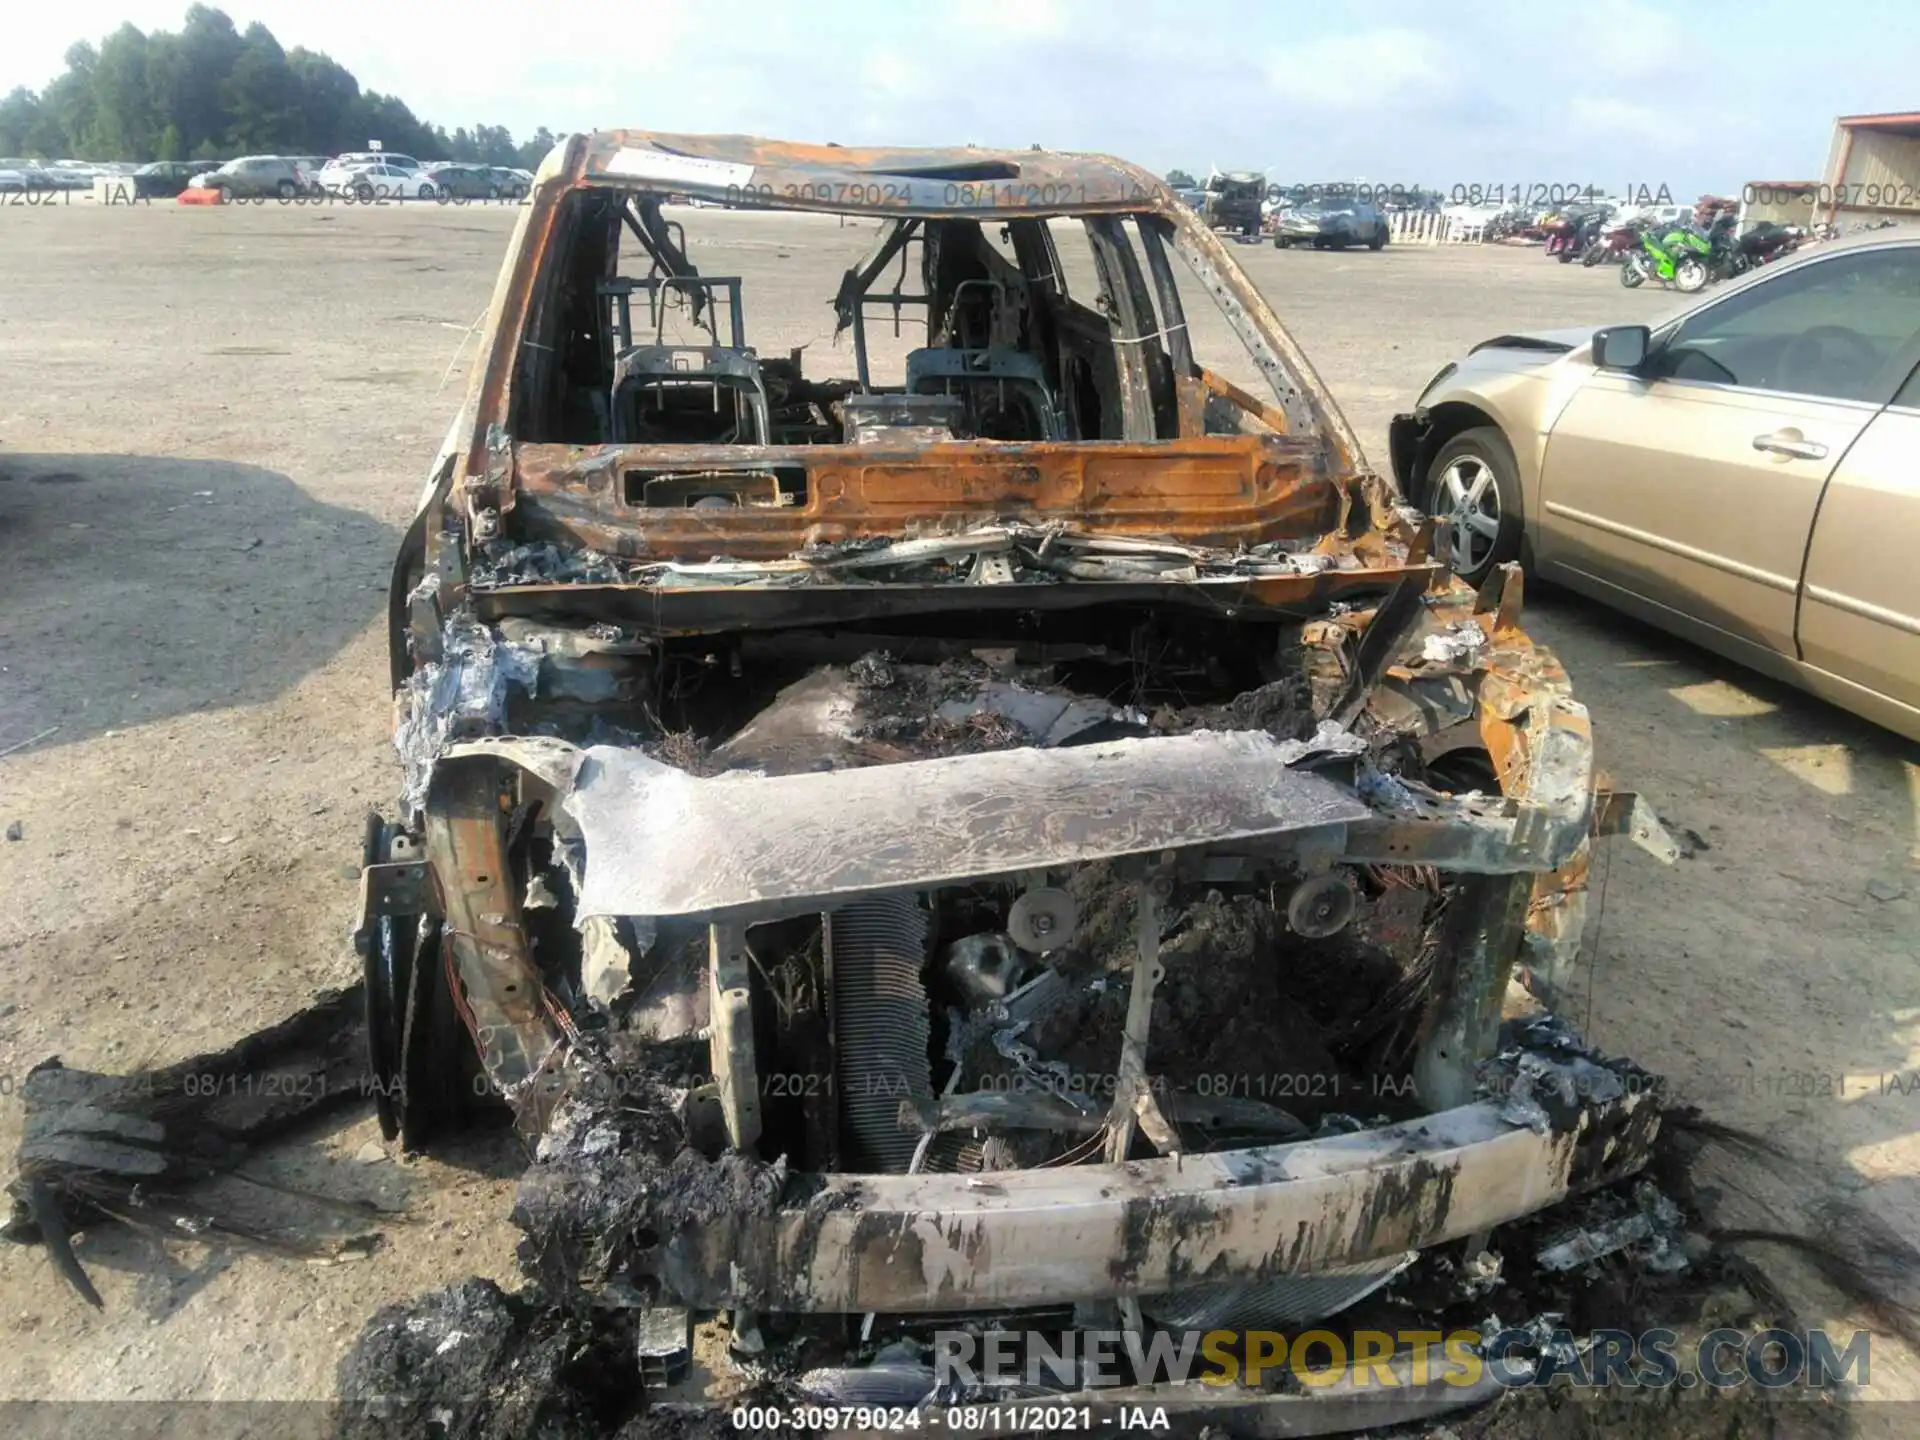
907	1244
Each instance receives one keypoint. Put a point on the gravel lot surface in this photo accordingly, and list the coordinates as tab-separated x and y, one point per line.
213	427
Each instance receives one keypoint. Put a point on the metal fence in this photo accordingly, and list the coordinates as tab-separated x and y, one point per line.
1423	227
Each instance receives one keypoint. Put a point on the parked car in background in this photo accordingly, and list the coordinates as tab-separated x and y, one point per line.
71	174
253	177
309	167
1741	475
376	157
1465	222
1331	223
514	184
464	182
23	174
367	183
165	178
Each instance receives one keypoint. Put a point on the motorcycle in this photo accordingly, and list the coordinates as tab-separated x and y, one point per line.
1567	235
1612	245
1727	257
1731	256
1677	258
1769	241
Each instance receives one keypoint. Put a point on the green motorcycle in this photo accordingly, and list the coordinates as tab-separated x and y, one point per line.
1677	258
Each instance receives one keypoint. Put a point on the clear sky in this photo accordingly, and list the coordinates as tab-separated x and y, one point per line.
1609	92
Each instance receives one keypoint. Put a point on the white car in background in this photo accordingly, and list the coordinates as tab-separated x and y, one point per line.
378	157
369	182
1469	222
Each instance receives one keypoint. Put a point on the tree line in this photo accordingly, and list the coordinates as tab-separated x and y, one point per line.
211	92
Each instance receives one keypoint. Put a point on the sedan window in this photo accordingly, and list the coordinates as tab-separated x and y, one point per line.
1909	396
1836	328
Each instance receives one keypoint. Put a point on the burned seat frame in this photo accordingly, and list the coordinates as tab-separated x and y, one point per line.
731	370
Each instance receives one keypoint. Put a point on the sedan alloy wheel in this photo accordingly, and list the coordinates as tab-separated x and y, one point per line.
1469	502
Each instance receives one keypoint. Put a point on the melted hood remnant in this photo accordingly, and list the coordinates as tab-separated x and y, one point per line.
1036	833
660	842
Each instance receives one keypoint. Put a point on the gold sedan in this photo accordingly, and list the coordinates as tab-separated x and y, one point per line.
1746	475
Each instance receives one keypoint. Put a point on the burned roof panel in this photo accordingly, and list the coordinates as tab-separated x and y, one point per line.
744	169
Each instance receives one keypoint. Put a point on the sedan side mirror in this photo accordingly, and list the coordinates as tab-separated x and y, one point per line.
1621	347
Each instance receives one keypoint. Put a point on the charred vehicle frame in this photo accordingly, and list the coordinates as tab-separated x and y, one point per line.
1050	833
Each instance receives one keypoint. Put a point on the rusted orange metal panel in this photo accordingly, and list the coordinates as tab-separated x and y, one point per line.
499	990
1223	491
1245	399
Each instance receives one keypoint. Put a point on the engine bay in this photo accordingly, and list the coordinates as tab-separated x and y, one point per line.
1270	1009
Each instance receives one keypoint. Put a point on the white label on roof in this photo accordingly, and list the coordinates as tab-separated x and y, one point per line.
688	169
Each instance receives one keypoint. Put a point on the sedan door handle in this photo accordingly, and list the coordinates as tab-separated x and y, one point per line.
1790	445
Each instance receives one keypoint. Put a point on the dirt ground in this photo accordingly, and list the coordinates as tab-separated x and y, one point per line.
213	426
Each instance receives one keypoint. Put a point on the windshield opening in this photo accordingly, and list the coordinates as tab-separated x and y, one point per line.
659	323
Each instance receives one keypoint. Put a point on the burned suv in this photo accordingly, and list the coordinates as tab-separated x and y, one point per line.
1234	201
1014	821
